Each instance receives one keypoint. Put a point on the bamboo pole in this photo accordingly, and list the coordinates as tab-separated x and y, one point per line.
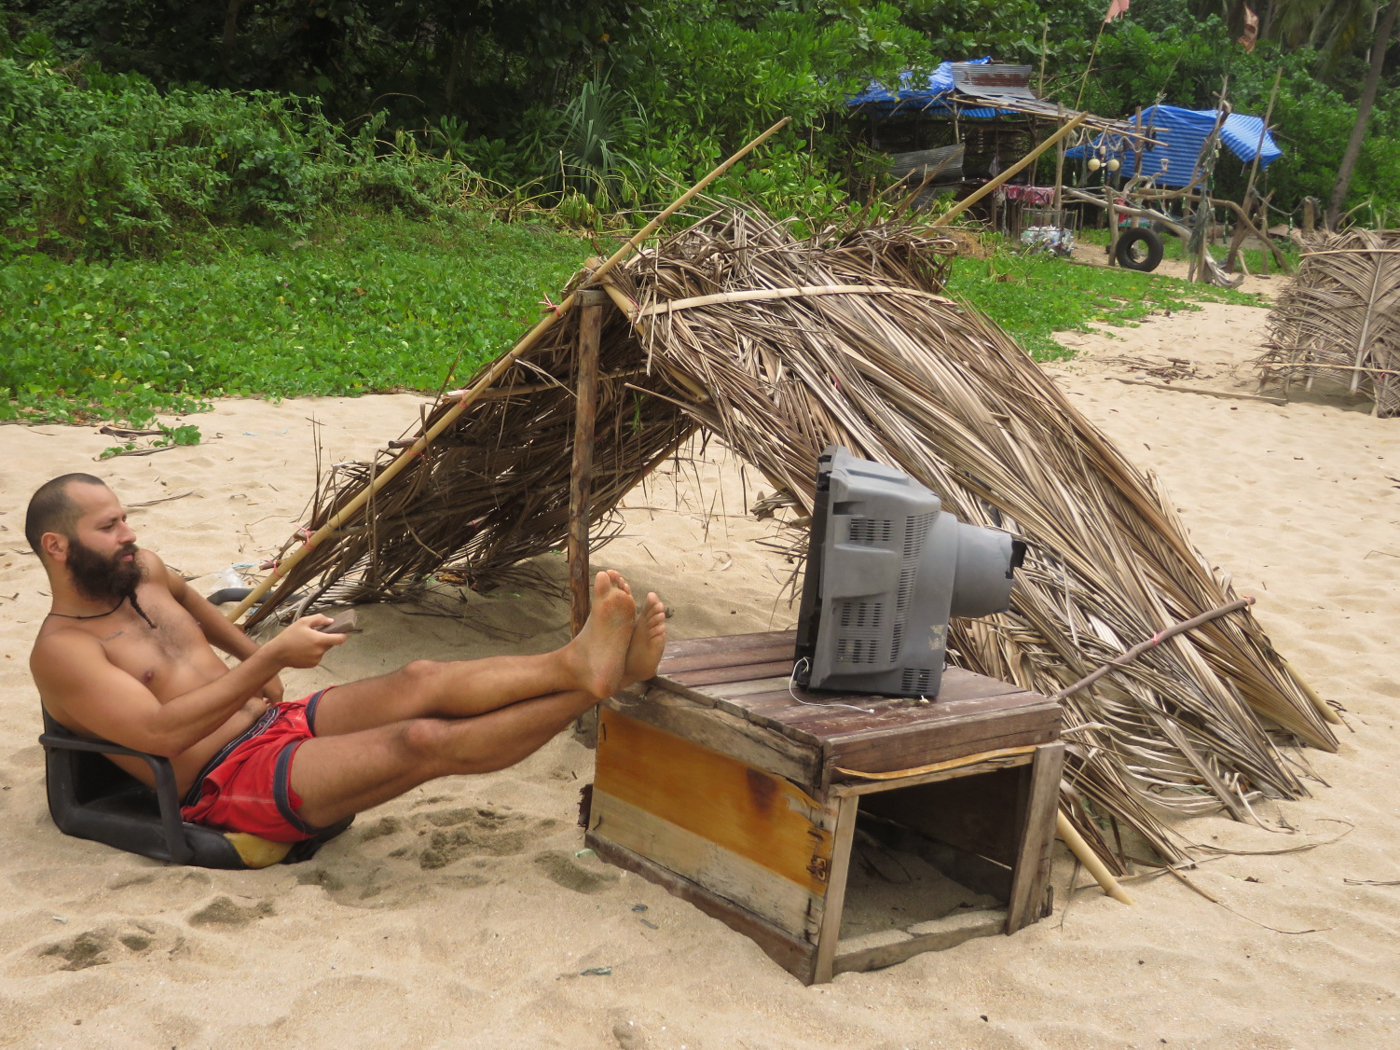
1015	169
1089	858
469	396
1253	171
590	329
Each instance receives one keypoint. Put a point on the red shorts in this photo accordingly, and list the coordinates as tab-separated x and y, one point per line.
247	785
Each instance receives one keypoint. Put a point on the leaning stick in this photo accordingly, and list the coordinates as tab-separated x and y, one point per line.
1015	169
1089	858
1155	640
470	395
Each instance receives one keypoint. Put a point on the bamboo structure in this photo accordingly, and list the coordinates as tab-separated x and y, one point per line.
780	347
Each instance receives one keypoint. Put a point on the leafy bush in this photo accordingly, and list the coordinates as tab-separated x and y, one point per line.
101	164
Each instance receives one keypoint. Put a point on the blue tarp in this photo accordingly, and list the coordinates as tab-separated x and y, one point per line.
1182	133
920	94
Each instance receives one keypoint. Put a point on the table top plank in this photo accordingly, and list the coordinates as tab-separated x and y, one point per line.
747	676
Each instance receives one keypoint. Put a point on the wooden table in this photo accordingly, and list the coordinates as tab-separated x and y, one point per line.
720	783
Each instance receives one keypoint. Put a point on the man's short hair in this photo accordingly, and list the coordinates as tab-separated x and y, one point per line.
51	509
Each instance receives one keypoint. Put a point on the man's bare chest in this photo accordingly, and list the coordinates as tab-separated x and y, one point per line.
168	655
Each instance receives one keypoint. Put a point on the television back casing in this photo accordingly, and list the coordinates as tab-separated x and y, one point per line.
886	567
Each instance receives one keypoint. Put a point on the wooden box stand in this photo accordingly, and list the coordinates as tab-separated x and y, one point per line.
715	782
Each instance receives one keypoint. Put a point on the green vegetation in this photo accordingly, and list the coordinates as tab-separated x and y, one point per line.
356	306
252	199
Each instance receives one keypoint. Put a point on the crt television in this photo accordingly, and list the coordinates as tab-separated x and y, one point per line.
886	567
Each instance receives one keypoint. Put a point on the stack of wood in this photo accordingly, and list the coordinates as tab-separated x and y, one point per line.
781	347
1338	323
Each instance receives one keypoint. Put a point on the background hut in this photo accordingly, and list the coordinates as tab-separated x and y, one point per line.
781	347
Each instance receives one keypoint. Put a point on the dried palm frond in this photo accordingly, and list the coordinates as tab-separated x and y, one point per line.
782	347
1339	319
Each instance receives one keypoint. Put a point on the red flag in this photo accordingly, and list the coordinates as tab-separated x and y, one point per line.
1115	9
1251	29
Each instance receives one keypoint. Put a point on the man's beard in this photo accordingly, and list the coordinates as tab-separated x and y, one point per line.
98	578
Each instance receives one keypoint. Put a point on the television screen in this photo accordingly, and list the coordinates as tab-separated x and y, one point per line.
886	568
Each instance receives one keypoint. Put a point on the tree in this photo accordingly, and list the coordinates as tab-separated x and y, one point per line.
1363	115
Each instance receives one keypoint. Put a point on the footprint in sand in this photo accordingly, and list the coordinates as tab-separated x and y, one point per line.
222	911
566	870
107	944
479	831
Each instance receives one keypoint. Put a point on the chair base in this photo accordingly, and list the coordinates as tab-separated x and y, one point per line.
91	798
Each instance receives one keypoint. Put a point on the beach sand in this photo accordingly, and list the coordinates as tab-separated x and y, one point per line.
462	915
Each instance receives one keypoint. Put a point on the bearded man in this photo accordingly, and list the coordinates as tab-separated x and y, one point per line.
126	654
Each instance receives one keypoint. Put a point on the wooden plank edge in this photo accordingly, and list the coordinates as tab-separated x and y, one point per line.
980	924
794	955
731	657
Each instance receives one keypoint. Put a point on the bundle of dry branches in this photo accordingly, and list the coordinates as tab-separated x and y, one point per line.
782	347
1339	320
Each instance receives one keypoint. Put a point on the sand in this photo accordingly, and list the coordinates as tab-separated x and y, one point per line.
462	914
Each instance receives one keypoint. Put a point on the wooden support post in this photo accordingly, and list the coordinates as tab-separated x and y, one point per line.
1309	216
1031	871
1249	186
1056	204
590	327
829	933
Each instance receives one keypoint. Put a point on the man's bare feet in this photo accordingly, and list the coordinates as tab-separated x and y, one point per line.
648	642
601	648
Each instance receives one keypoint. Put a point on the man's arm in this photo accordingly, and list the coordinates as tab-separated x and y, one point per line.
72	670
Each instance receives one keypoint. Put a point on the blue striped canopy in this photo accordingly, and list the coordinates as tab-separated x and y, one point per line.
920	93
1182	133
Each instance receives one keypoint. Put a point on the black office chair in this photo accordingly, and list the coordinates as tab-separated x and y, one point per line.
91	798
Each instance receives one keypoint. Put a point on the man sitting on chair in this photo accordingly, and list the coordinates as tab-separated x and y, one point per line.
125	654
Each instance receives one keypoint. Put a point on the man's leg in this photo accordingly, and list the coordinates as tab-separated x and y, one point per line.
350	770
593	662
336	776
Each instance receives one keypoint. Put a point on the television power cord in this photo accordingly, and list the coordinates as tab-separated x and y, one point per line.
804	664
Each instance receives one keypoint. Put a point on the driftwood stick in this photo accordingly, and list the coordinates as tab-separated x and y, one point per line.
489	379
1200	390
1142	647
1015	169
1089	858
581	475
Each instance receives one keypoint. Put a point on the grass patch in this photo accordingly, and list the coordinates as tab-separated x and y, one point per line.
356	306
364	305
1032	296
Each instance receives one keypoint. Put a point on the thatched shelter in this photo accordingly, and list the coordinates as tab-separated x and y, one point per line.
781	347
1338	322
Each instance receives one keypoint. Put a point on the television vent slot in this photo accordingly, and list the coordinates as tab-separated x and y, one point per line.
916	681
870	530
897	640
915	529
856	651
907	578
862	614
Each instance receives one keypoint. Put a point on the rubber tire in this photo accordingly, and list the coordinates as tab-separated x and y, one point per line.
1124	252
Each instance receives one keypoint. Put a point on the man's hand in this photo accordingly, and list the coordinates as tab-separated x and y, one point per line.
272	690
302	644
